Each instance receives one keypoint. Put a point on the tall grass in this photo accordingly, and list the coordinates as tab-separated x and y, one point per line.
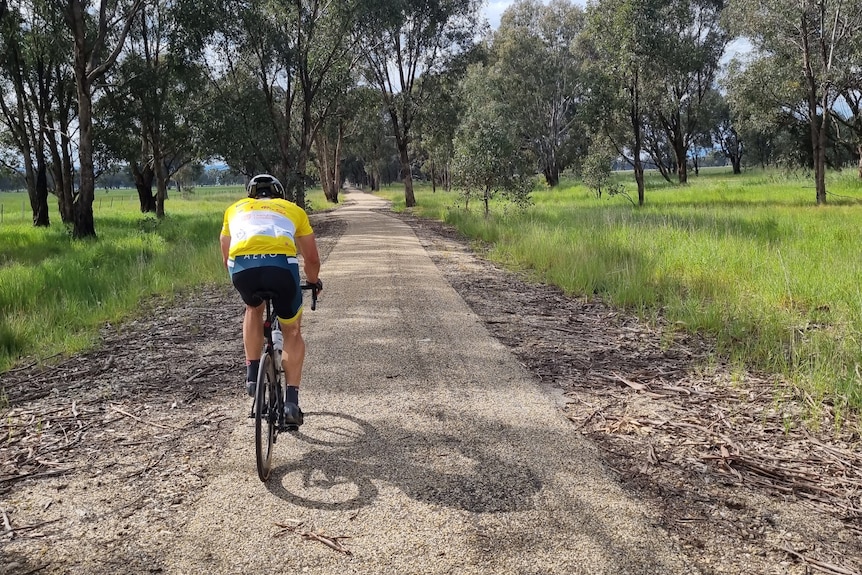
750	260
56	292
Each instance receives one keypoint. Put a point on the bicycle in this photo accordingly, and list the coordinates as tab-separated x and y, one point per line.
268	404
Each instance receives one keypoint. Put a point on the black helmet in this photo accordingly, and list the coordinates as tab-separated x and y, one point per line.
265	186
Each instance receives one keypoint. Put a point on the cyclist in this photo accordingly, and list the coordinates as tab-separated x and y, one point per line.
260	238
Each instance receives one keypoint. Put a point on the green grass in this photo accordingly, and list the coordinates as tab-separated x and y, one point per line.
750	260
56	292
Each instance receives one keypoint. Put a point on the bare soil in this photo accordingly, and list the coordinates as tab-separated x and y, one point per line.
103	454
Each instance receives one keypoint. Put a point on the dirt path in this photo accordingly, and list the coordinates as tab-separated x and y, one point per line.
127	452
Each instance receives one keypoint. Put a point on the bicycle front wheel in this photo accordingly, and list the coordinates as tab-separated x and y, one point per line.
265	416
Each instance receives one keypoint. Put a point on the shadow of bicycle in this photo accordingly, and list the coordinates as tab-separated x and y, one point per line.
349	458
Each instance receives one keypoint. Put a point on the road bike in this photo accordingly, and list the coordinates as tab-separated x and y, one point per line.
268	405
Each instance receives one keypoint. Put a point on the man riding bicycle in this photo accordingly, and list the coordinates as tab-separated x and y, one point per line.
260	238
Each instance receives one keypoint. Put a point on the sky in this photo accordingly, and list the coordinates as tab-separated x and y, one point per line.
493	10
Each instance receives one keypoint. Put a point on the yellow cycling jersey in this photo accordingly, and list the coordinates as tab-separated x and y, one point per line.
264	226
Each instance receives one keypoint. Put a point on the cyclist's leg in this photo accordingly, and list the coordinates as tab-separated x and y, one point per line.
292	359
294	351
288	306
247	283
252	332
289	310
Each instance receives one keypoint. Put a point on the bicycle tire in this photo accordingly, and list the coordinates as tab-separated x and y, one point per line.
265	417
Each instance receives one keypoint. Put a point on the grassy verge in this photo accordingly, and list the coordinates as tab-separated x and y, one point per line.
750	260
56	292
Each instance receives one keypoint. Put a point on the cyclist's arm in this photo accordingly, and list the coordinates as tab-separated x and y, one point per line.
310	257
225	248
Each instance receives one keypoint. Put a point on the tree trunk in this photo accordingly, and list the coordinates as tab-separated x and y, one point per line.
859	151
144	185
552	175
65	194
736	162
161	183
66	199
375	178
433	178
406	174
39	201
820	160
58	172
818	142
637	135
336	161
486	199
681	153
320	141
83	224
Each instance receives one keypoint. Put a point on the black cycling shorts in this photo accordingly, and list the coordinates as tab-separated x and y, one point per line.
282	282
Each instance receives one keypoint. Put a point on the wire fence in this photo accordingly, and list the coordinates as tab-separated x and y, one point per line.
10	212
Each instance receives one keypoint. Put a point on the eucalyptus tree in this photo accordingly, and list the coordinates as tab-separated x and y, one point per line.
18	112
371	145
349	124
38	63
239	128
817	39
726	131
435	130
156	99
98	34
291	49
543	82
490	158
620	42
403	40
35	68
691	40
438	120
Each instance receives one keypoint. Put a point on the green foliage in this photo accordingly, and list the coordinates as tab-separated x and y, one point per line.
541	83
55	292
746	260
489	158
596	169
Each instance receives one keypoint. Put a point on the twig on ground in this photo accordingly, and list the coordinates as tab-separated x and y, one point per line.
819	565
200	373
7	525
331	542
136	418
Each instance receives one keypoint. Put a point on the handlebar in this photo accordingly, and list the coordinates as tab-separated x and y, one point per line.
314	289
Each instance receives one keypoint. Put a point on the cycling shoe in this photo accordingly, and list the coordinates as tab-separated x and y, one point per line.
292	414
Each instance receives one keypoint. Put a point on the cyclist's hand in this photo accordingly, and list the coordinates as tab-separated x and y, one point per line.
318	285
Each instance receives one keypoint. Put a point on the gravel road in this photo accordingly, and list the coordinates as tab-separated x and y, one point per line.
426	449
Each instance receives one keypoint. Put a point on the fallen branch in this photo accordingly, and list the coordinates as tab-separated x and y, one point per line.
200	373
819	565
331	542
136	418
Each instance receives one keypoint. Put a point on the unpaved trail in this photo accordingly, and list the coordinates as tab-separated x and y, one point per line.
437	440
426	445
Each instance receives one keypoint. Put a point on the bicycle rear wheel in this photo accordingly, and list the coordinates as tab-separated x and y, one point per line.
265	416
